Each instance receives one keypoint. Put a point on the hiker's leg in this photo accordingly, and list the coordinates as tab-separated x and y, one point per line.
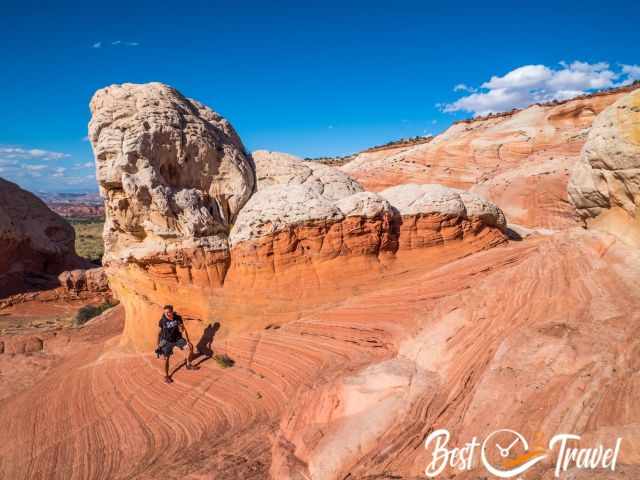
166	366
188	355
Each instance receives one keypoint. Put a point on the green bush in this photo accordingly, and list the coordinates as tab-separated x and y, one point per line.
88	312
224	360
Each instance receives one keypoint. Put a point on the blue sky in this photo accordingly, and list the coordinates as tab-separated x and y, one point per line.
311	80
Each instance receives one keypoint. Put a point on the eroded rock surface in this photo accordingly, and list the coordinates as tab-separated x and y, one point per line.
194	221
92	280
36	244
520	161
608	173
173	173
358	325
276	168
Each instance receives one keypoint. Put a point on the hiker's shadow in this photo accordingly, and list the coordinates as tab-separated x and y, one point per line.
204	345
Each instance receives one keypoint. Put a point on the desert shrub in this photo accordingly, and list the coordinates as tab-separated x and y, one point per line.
88	312
224	360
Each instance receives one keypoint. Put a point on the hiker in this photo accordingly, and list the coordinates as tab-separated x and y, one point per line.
170	335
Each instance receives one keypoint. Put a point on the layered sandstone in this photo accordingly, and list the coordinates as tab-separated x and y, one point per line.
520	161
36	244
605	183
539	336
358	324
184	227
173	174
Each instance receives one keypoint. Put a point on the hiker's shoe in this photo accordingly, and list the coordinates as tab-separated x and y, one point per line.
168	380
191	367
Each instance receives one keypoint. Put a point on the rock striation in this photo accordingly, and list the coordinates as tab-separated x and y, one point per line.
359	322
192	220
173	175
520	161
36	244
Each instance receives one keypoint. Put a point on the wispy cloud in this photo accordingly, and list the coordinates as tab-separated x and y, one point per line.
34	168
632	72
529	84
116	43
125	43
461	87
19	153
84	165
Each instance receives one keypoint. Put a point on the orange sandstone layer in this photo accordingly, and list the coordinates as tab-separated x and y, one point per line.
539	336
280	277
520	161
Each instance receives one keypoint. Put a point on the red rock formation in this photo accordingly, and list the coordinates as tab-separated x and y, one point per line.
90	280
35	243
359	323
170	238
353	387
520	161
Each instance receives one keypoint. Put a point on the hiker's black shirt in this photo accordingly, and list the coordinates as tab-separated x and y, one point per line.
170	329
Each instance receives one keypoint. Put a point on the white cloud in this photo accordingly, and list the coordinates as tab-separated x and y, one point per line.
529	84
34	168
461	87
30	154
96	45
529	76
125	44
59	172
632	72
84	165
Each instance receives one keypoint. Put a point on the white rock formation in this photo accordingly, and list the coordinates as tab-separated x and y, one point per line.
169	168
276	168
275	208
417	199
608	173
363	204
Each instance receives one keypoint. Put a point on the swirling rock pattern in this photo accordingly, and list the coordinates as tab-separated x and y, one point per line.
520	161
353	387
184	225
359	322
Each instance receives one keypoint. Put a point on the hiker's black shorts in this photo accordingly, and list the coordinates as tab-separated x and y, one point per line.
166	348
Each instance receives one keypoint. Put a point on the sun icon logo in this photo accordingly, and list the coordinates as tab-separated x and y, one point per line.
510	450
